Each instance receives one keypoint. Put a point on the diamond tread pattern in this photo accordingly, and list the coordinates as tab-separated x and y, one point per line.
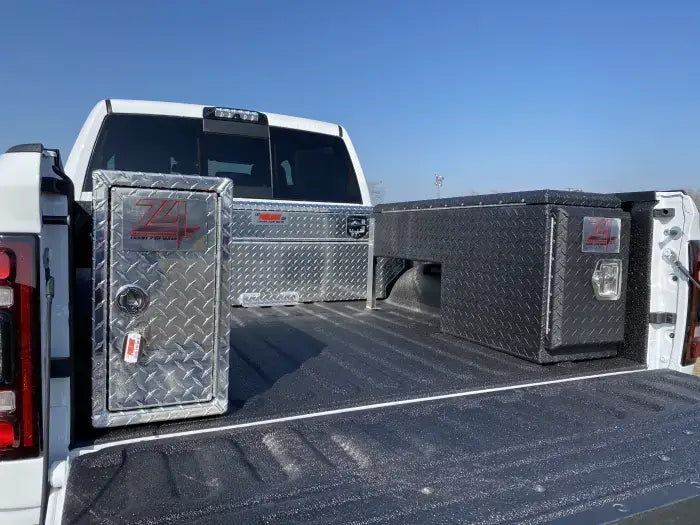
495	264
576	315
310	222
177	365
560	197
322	271
386	271
309	257
168	393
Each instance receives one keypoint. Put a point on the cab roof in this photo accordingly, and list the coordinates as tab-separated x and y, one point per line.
177	109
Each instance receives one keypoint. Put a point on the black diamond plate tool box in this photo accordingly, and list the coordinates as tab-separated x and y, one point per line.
541	274
162	313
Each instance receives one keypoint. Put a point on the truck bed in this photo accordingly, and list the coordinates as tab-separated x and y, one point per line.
309	358
590	450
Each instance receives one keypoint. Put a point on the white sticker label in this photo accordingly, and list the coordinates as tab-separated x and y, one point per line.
132	346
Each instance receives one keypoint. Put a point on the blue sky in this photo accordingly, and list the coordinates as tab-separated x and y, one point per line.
493	95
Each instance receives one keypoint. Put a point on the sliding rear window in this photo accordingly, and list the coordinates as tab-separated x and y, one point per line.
291	165
312	167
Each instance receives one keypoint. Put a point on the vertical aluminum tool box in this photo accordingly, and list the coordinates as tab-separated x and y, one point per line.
541	275
161	320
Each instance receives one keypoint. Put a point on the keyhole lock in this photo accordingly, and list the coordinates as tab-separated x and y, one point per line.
132	299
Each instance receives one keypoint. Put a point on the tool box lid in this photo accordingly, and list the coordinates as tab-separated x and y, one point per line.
560	197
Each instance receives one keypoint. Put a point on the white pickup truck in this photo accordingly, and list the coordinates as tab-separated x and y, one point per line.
204	320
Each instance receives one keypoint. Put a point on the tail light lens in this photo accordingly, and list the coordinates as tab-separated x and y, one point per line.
692	348
20	379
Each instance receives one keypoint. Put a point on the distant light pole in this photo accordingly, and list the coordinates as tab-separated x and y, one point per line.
439	179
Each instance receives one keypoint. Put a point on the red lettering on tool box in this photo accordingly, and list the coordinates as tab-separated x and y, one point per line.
601	233
164	219
270	217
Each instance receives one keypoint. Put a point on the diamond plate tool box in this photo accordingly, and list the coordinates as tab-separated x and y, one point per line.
541	274
287	253
161	280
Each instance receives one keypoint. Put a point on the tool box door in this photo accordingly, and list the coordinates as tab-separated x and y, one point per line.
162	274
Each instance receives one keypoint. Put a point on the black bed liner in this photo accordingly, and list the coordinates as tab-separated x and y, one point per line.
316	357
591	450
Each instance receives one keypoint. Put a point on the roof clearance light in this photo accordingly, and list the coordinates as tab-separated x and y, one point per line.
237	114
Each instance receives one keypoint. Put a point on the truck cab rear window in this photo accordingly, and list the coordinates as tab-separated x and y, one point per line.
312	167
305	166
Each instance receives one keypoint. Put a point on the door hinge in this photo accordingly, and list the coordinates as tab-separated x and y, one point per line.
662	318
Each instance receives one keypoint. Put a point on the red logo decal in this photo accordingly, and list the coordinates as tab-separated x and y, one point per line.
270	217
164	219
601	235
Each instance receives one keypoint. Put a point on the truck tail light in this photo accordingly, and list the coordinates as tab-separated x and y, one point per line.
20	364
692	346
5	265
7	434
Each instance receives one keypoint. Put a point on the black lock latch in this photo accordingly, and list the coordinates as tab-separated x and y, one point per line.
358	226
132	300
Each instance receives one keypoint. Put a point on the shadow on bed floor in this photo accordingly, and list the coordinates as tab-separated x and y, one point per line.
262	355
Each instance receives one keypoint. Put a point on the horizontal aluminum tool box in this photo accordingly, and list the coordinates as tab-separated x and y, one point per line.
541	275
162	314
285	253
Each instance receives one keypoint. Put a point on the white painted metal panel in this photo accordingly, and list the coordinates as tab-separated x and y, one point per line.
20	184
669	288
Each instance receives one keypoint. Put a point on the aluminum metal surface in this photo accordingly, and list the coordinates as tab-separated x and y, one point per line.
559	197
269	273
387	270
577	316
182	368
179	323
495	275
275	220
288	252
371	265
157	222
